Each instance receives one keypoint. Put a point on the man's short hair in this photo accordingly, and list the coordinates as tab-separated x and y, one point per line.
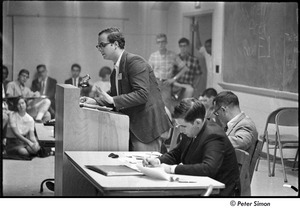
161	35
76	65
114	35
189	109
40	66
184	40
209	92
105	70
24	71
226	98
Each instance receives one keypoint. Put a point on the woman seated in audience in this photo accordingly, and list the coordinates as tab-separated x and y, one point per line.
20	131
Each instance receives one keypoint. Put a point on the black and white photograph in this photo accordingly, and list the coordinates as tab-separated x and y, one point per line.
141	103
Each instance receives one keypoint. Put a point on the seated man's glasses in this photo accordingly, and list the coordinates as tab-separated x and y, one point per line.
216	111
102	45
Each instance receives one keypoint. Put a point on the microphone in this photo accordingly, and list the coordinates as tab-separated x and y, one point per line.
85	81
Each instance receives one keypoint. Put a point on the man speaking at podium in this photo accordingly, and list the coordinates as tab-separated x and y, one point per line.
134	92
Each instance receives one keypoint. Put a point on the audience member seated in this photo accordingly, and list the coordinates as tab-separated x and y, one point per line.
75	75
46	86
240	128
37	106
20	132
5	116
204	150
103	83
207	98
185	81
5	81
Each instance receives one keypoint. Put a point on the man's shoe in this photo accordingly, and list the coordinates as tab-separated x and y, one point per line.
50	186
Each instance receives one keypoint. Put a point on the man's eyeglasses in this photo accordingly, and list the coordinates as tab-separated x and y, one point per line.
102	45
216	111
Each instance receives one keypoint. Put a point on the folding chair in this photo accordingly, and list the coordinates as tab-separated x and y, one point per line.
255	156
286	118
268	136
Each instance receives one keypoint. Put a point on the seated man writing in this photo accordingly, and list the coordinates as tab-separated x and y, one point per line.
204	150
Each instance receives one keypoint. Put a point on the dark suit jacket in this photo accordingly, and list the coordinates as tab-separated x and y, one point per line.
50	87
139	98
210	154
69	81
50	90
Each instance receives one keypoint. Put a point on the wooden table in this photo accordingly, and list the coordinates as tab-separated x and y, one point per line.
133	185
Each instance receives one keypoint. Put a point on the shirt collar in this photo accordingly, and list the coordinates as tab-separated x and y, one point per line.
19	83
117	64
233	120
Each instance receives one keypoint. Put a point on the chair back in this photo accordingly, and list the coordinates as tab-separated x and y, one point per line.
257	150
287	117
271	119
243	160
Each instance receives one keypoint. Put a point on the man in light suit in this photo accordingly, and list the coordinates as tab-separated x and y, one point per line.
134	92
46	86
241	130
204	149
75	75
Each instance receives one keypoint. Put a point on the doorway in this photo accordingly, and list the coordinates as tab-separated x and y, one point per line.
204	22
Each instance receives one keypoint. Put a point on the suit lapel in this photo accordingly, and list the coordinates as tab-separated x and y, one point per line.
193	145
122	71
230	129
186	149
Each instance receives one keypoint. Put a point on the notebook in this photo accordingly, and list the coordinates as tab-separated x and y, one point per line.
114	170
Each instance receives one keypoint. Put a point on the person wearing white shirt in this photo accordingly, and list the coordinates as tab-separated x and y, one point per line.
206	52
104	83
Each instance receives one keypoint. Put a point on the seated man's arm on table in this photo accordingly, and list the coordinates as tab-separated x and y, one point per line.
212	160
170	158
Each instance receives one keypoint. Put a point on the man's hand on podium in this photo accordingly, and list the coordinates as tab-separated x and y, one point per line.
88	100
103	97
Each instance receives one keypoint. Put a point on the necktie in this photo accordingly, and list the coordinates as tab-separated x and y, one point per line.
42	87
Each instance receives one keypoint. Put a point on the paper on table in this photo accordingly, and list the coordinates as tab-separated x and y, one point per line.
155	172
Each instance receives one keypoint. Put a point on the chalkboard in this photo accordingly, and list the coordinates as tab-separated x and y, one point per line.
261	45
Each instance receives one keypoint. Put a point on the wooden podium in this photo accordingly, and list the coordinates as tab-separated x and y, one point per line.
83	129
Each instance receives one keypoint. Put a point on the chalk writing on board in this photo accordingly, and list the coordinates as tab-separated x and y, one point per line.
261	45
290	57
